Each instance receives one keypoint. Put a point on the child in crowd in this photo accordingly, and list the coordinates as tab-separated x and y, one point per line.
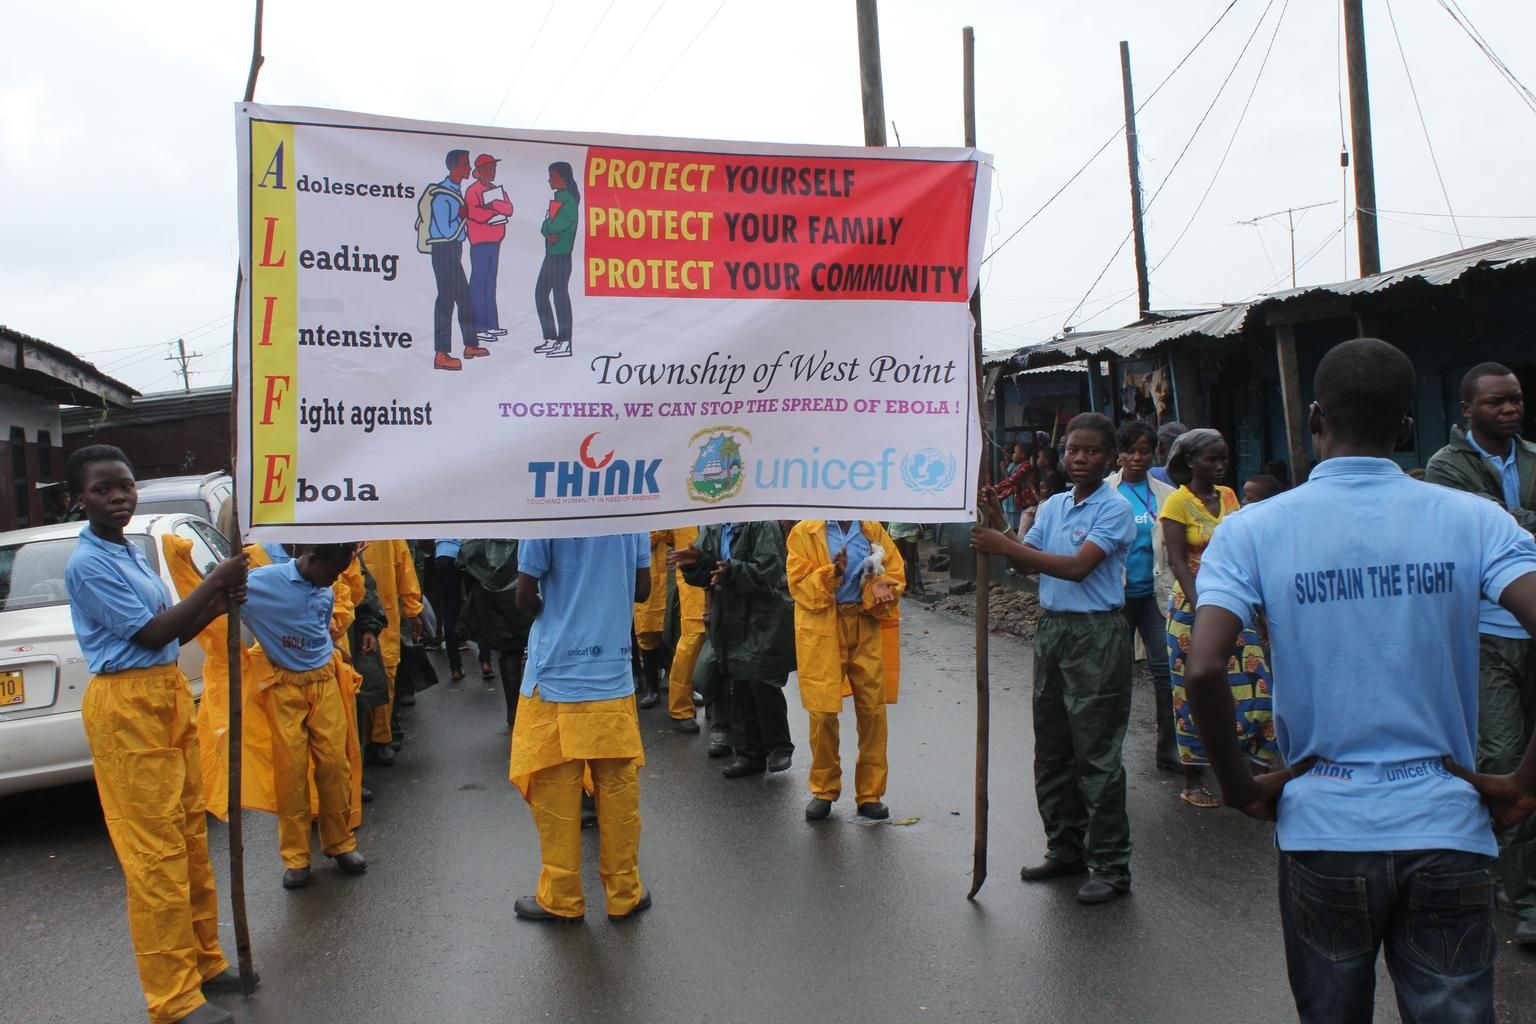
290	610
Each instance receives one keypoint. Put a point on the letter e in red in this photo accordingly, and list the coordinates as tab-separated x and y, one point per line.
275	466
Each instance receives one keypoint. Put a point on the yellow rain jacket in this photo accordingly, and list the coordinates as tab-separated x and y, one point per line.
394	574
258	788
808	567
651	615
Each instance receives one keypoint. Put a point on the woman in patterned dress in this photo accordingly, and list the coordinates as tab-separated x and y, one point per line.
1189	519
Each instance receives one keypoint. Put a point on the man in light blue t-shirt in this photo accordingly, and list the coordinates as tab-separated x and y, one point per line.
577	716
1370	582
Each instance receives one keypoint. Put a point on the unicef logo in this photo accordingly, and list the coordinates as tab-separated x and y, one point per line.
928	470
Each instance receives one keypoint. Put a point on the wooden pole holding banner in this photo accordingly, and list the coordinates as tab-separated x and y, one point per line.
983	565
236	811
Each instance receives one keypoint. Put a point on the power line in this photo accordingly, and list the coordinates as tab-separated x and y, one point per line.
1233	139
1118	133
615	69
524	62
1465	24
1463	216
1180	158
1414	92
673	66
573	63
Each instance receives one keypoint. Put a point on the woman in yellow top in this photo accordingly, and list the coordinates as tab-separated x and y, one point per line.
1189	519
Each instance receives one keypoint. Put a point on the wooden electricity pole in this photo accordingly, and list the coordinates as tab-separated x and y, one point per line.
983	565
1138	231
869	74
1360	138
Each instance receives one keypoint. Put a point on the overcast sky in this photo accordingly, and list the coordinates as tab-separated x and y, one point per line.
117	140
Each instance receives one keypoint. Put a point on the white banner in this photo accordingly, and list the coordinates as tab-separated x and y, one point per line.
451	331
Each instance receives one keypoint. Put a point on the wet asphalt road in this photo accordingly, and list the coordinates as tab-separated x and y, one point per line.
759	915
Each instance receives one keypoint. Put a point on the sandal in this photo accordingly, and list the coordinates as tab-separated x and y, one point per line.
1200	797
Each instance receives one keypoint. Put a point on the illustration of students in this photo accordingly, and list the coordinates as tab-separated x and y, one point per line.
440	218
486	208
561	222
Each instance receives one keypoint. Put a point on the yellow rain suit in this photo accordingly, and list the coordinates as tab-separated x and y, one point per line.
651	615
691	641
394	574
259	783
553	744
841	649
309	726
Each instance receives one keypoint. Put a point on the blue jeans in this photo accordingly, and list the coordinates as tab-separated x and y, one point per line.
1433	910
484	259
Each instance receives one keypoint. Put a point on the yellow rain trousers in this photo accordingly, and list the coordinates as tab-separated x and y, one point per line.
841	650
394	574
651	615
553	744
139	723
309	733
258	783
691	641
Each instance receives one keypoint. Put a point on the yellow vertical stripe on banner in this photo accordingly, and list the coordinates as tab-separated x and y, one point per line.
274	325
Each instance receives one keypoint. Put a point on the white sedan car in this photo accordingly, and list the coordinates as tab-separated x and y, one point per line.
42	672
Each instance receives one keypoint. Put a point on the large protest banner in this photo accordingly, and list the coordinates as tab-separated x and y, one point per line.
479	332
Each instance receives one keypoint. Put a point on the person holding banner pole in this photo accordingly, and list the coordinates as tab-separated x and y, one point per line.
577	717
140	721
1082	687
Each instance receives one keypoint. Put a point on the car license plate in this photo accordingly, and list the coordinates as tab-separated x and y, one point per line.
12	689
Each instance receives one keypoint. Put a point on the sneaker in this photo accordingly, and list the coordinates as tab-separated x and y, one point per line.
483	336
496	331
549	343
561	350
444	361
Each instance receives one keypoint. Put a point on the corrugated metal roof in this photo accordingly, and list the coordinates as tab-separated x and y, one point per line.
1230	320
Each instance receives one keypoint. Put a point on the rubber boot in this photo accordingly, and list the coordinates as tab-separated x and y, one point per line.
650	678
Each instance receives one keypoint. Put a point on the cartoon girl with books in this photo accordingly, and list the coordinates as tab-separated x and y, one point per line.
561	222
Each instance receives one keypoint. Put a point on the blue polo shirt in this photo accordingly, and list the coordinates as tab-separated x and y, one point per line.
113	593
1492	618
448	548
851	590
290	616
1063	525
1370	583
278	553
578	648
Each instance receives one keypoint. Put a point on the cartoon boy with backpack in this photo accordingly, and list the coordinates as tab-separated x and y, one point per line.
440	233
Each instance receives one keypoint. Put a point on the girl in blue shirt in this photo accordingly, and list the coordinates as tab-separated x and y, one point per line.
139	718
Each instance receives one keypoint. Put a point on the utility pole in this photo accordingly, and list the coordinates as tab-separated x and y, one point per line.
1138	230
181	359
1360	137
869	74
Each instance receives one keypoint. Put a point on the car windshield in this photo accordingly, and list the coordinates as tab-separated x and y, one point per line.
165	506
32	574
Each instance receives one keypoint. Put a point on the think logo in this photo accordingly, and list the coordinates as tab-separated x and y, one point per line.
717	470
595	476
